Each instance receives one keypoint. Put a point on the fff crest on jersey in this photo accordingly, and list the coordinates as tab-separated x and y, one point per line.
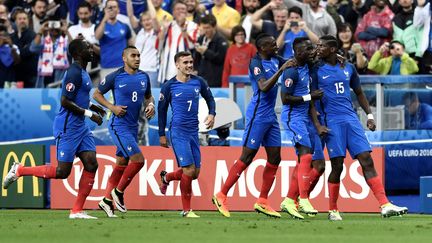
70	87
346	73
257	70
288	82
197	91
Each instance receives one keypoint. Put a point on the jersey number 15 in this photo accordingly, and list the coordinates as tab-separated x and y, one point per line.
339	88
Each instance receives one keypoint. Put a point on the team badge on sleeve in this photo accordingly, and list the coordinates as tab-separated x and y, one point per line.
257	70
161	97
70	87
288	82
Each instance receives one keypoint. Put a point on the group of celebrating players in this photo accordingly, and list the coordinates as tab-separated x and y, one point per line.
314	116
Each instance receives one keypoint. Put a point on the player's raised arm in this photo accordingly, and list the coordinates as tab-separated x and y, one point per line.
104	86
361	97
211	104
164	101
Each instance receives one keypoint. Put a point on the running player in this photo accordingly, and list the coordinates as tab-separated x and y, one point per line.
296	96
262	127
182	93
130	86
344	129
73	136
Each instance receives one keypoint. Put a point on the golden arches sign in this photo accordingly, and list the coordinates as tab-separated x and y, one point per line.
12	156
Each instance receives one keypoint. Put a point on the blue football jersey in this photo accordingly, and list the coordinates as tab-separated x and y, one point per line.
296	82
184	101
336	81
262	104
76	86
128	90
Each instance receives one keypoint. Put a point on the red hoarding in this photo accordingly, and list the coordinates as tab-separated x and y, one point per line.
143	193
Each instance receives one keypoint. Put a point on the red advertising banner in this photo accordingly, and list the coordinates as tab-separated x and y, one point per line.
143	193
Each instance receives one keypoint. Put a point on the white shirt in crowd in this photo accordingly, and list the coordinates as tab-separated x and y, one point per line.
87	32
145	42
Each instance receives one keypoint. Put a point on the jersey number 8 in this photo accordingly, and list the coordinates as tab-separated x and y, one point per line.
134	96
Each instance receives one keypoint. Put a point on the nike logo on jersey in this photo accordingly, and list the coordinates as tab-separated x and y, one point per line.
122	85
87	83
324	77
177	95
267	70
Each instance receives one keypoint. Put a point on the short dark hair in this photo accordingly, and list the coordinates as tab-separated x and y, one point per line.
330	41
398	42
85	5
181	54
260	40
16	11
208	19
299	40
296	10
237	29
128	48
76	47
410	96
35	1
178	2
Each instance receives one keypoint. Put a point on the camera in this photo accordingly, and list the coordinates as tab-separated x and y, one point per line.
54	24
294	24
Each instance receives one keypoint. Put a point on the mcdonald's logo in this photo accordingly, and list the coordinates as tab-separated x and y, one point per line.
12	157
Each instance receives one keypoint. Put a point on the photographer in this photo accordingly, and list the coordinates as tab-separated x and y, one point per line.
398	63
9	55
51	44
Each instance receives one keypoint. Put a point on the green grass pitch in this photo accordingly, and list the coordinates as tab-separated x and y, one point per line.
168	226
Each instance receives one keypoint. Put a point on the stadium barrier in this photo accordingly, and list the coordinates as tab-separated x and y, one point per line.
144	194
27	192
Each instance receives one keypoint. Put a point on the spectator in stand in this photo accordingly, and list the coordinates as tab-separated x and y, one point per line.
194	10
9	55
161	15
422	22
113	37
353	11
404	29
226	17
375	27
418	115
4	19
51	44
250	7
350	50
85	28
332	9
295	27
273	28
96	16
210	50
23	37
179	35
238	55
316	17
398	63
39	9
146	40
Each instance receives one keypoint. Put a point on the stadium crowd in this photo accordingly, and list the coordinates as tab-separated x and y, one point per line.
378	36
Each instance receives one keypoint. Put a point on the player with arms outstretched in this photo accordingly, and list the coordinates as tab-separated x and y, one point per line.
342	125
262	127
73	136
182	93
130	86
296	96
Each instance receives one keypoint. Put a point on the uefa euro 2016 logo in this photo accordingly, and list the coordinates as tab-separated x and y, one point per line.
12	157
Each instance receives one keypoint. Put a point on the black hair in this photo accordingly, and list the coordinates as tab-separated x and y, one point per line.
237	29
330	41
181	54
411	96
398	42
208	19
296	10
85	5
128	48
76	47
259	41
35	1
342	28
299	40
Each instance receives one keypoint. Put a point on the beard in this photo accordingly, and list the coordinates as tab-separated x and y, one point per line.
251	9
